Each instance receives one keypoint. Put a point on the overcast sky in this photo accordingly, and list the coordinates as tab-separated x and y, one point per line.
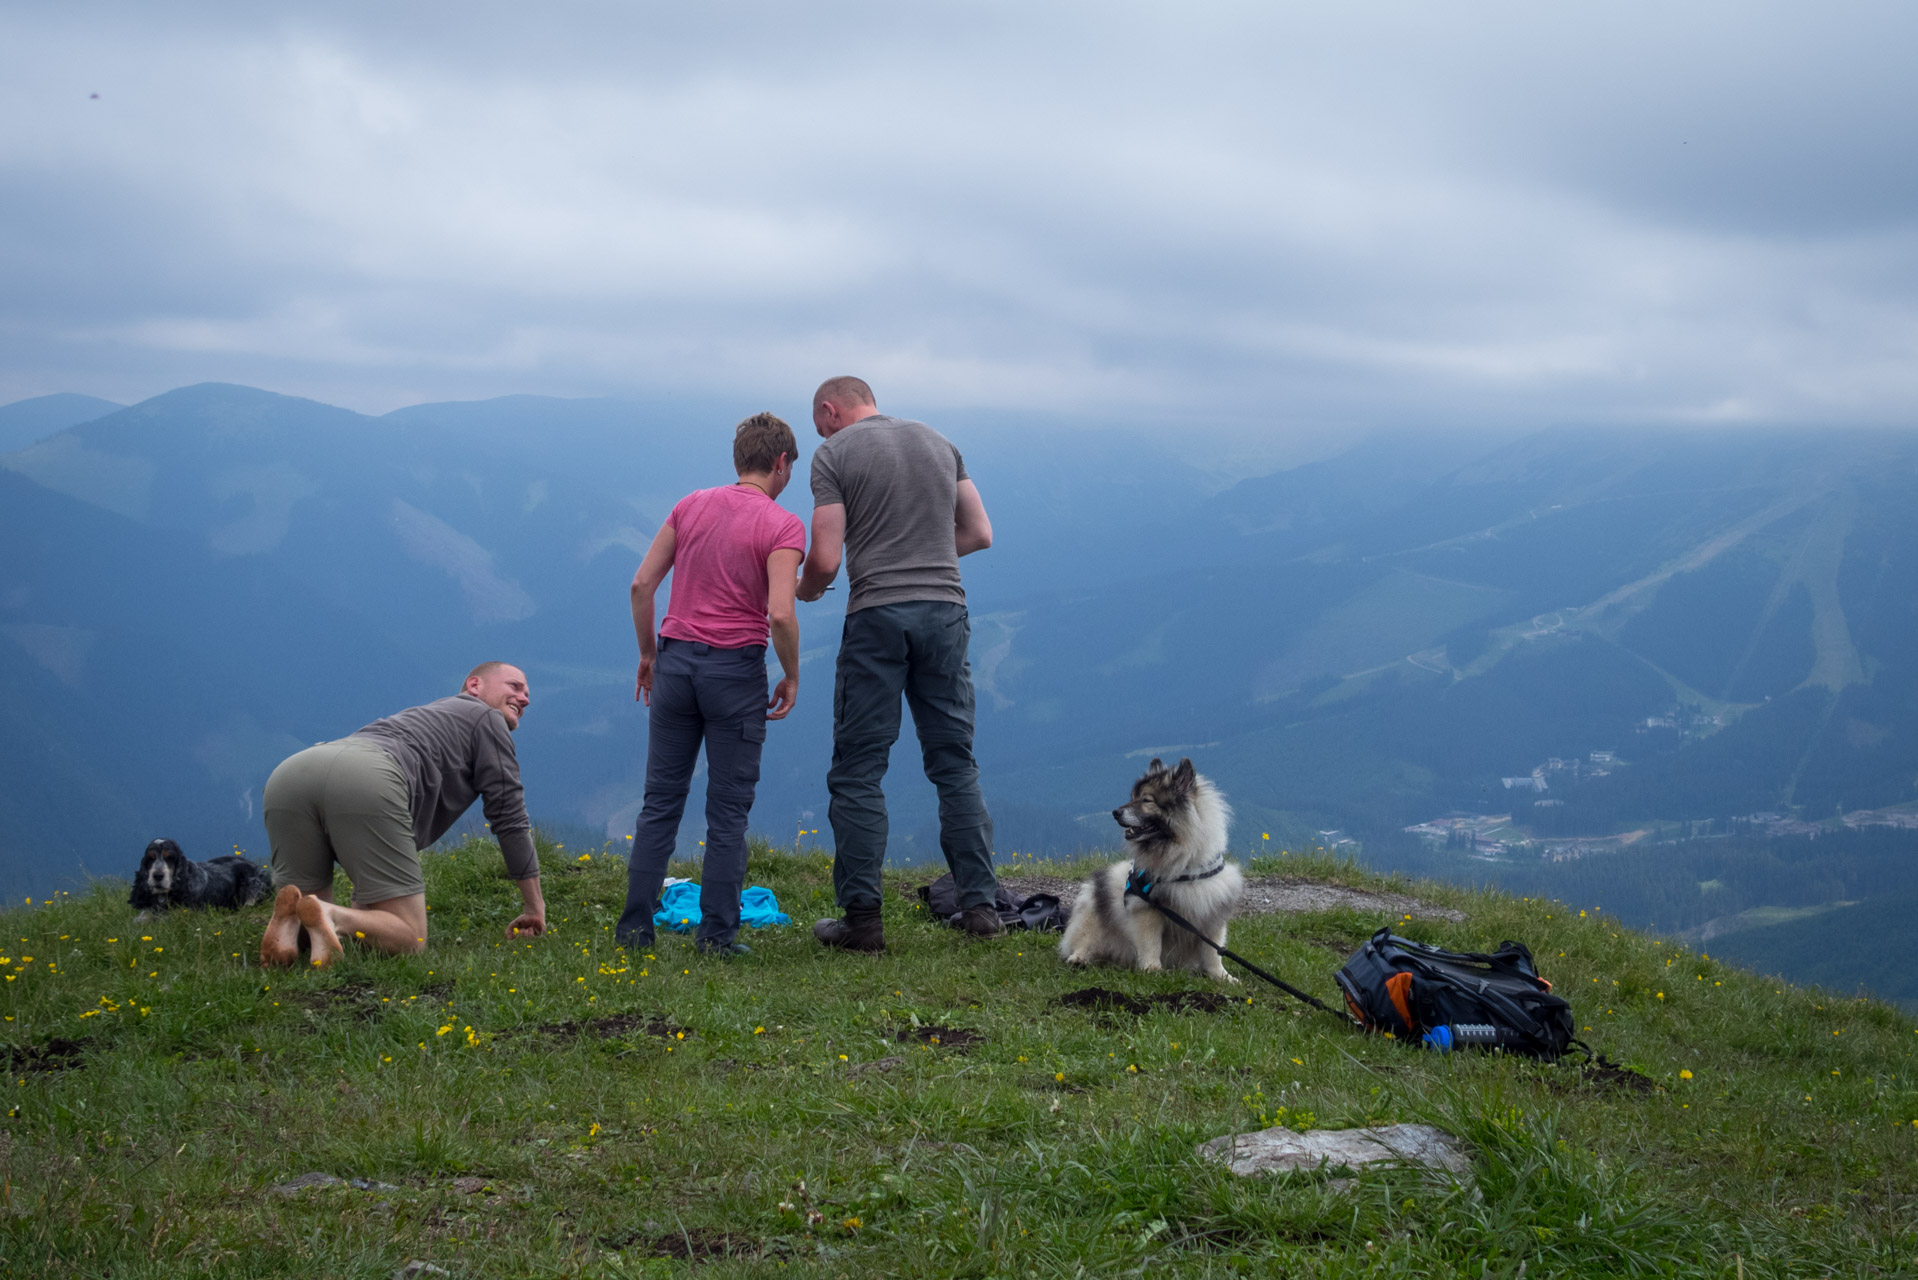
1288	216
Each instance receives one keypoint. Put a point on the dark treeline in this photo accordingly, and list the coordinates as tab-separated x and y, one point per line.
1679	885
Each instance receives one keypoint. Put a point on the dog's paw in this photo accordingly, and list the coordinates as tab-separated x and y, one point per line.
1076	959
1151	966
1228	977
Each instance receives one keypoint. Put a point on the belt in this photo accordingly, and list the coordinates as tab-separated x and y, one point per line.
701	648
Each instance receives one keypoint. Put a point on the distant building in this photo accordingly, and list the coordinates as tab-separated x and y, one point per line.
1470	831
1531	782
1604	757
1901	818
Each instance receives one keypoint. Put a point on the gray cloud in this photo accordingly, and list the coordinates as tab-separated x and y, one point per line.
1276	216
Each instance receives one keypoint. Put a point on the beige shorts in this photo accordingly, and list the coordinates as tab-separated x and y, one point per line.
344	802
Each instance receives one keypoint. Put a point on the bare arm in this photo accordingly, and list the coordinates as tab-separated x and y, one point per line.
971	530
828	549
533	919
782	570
652	571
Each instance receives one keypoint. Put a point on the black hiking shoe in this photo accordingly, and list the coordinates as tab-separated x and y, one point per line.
725	950
981	921
859	931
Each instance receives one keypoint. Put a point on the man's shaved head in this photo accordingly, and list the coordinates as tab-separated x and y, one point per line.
846	391
483	670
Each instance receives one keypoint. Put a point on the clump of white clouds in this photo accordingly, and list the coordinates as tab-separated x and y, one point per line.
1399	215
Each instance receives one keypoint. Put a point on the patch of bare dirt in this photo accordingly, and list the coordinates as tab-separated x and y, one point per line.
953	1038
1605	1074
694	1244
1273	895
57	1054
1102	1000
360	999
613	1028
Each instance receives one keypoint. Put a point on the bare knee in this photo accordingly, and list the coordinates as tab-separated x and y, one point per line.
411	939
405	933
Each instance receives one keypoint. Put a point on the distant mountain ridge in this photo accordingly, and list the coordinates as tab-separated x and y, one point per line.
199	583
26	422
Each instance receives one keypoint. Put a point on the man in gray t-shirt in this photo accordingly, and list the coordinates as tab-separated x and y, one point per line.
370	802
894	496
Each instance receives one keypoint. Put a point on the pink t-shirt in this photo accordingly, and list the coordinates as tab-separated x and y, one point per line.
721	538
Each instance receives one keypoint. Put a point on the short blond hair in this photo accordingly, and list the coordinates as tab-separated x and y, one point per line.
845	390
482	671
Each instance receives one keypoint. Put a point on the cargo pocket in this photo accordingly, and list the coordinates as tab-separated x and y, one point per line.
753	731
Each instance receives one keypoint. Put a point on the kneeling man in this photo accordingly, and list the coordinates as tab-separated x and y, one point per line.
372	801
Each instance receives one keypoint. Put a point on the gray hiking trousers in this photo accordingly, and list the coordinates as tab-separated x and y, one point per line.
916	648
718	697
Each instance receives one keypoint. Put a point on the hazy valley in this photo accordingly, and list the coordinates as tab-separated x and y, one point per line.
1668	664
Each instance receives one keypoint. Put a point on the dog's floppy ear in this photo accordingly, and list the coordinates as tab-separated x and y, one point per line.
1185	777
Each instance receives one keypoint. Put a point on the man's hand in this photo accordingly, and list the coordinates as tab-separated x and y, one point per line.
785	694
643	687
532	921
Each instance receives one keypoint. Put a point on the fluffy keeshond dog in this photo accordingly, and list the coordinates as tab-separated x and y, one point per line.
1175	826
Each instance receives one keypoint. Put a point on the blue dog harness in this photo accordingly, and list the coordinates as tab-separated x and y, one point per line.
1138	885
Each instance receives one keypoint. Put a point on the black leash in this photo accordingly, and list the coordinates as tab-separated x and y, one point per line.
1137	886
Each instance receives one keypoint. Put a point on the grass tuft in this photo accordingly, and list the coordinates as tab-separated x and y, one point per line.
951	1108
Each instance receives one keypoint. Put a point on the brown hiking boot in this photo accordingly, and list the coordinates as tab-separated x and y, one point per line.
859	931
981	921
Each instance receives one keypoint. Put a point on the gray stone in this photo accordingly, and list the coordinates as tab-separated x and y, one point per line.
1267	895
304	1182
1280	1150
307	1181
415	1269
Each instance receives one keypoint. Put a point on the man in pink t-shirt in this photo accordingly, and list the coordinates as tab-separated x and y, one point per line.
734	555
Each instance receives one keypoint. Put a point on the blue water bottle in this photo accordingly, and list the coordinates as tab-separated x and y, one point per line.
1463	1035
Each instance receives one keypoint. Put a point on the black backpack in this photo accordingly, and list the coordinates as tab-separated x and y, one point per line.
1040	911
1408	989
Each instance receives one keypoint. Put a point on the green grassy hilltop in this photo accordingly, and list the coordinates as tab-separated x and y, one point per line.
561	1107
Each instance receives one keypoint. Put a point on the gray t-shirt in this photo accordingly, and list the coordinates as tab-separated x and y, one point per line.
452	752
899	481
